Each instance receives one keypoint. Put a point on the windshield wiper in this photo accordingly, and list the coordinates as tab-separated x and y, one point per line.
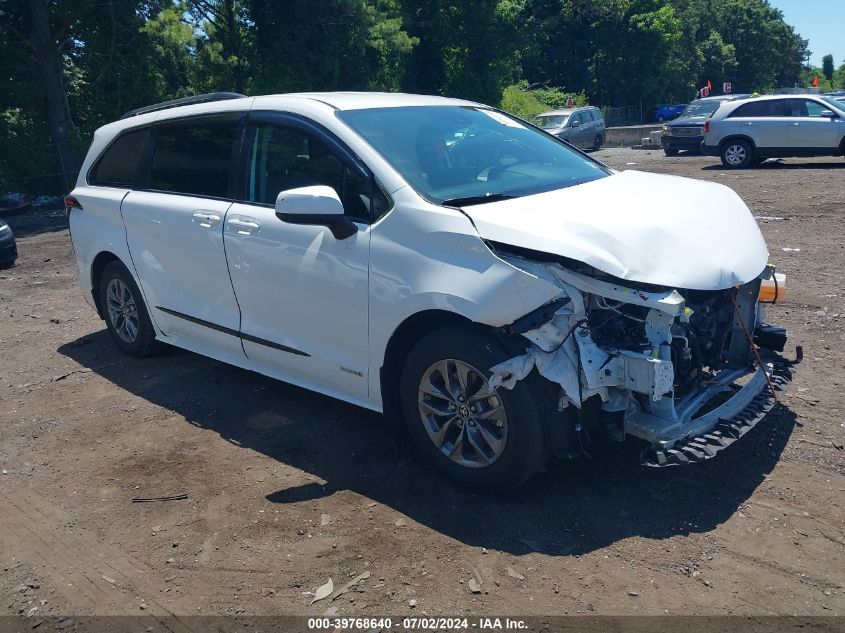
470	200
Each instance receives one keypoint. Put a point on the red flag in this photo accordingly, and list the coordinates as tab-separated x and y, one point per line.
709	85
816	81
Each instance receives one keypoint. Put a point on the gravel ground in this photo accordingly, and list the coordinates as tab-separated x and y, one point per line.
287	489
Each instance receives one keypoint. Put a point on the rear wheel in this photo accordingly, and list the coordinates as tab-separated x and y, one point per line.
670	151
490	440
597	142
737	154
126	316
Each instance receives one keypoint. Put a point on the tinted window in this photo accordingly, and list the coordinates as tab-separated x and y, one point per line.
116	167
193	158
575	117
759	109
587	116
282	158
453	152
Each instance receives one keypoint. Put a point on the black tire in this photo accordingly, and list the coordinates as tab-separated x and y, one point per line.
524	452
736	154
143	343
669	151
597	142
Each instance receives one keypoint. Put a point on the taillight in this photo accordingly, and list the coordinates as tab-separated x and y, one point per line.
707	126
72	203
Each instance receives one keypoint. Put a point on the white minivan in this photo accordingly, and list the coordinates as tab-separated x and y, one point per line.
441	261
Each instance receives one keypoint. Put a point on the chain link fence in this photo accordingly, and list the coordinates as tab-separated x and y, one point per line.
625	115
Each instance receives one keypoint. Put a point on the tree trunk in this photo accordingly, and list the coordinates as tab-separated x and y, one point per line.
48	57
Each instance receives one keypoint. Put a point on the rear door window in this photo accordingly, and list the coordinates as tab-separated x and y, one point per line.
119	163
193	158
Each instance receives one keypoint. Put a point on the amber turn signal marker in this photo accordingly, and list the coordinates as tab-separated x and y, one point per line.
774	289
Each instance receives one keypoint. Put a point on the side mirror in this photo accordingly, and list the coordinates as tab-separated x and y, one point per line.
318	205
576	124
829	114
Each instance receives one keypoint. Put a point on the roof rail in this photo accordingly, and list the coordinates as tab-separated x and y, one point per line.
175	103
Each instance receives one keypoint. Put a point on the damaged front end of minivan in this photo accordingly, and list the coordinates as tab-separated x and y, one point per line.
688	371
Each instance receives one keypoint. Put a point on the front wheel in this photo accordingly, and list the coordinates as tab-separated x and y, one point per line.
126	315
482	438
737	154
670	152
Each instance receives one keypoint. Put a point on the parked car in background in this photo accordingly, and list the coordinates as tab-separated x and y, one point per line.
581	127
686	132
748	131
666	112
438	260
8	247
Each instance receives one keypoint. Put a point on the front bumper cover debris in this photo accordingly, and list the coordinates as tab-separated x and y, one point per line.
726	431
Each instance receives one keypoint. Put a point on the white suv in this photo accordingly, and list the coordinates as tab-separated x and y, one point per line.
748	131
437	260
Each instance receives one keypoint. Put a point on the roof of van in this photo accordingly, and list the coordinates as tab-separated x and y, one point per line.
361	100
567	111
728	97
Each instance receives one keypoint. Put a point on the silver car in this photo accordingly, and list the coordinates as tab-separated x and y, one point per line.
751	130
581	127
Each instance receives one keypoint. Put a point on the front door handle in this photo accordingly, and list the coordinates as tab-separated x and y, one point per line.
206	219
243	225
796	124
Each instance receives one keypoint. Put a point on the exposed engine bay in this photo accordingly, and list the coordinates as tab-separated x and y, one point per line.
668	365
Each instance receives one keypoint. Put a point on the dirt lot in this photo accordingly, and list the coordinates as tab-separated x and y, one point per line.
286	489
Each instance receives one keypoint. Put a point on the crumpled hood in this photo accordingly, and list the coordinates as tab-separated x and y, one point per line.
637	226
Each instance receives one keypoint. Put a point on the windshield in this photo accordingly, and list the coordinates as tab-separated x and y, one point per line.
837	102
450	153
551	121
701	108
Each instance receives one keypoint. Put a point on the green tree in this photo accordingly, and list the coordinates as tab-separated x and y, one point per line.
827	67
45	34
718	60
225	45
466	49
346	45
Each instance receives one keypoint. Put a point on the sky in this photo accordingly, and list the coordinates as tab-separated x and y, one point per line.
820	21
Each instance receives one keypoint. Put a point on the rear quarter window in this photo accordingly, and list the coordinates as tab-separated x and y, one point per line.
118	164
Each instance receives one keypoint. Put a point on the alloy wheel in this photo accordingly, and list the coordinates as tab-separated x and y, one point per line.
735	155
464	418
122	310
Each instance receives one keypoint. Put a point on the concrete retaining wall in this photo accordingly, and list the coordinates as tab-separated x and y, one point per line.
629	135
